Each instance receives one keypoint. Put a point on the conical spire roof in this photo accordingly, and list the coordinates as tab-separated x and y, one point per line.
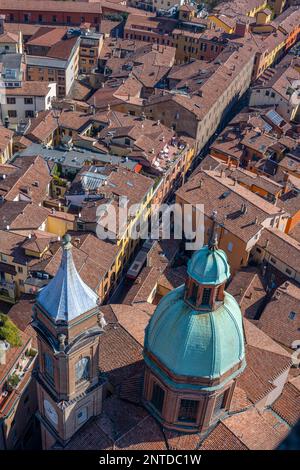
67	296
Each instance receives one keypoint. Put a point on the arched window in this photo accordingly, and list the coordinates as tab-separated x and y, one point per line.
82	370
48	366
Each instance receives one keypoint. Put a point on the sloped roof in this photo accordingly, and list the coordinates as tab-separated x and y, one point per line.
67	296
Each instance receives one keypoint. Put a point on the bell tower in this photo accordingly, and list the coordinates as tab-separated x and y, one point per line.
68	325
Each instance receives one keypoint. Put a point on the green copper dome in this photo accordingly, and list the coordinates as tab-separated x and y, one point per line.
209	266
196	343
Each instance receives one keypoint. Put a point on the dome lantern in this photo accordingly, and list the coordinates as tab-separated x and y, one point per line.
208	271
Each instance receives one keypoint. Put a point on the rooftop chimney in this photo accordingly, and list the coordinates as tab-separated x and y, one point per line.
243	208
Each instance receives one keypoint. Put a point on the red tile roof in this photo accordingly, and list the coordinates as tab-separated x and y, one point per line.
287	406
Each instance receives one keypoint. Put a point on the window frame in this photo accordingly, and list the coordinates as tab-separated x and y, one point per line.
86	371
186	402
158	393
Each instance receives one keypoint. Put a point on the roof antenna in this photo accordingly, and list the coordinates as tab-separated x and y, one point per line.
213	241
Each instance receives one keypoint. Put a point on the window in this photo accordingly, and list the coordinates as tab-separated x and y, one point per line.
127	141
68	19
54	18
29	113
230	247
40	18
273	260
158	396
188	411
48	366
82	370
82	415
292	315
10	100
12	113
205	296
28	100
193	294
288	271
26	18
220	404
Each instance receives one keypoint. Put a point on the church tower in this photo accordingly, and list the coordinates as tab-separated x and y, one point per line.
194	347
68	325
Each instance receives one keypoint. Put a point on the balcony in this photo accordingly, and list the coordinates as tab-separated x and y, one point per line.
17	379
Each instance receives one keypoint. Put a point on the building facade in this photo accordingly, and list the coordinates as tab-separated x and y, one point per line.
63	71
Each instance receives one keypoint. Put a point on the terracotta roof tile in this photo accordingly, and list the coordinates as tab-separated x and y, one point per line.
132	319
90	437
248	288
221	438
32	88
181	441
21	179
118	417
121	355
41	127
287	406
254	430
281	317
219	193
6	136
146	435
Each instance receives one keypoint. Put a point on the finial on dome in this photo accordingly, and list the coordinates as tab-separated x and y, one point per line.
66	241
213	241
